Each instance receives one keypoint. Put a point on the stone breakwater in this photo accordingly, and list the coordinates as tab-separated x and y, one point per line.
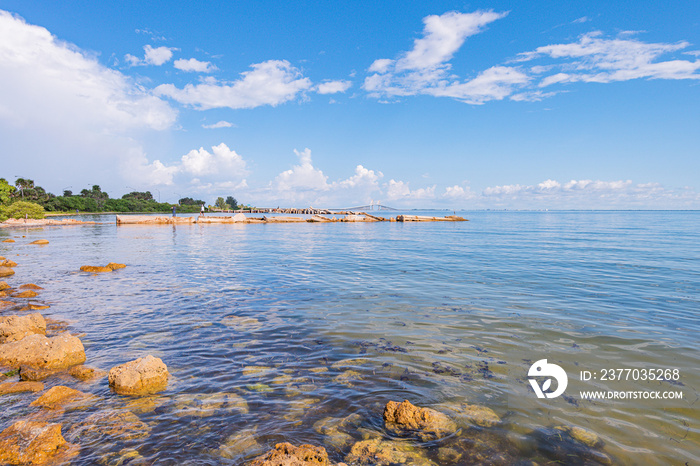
241	218
43	368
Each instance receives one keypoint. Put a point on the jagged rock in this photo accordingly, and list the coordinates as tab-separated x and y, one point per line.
4	286
425	423
30	286
140	377
466	414
31	442
59	352
95	269
19	387
116	266
6	272
35	374
25	294
86	373
36	306
378	452
40	241
14	328
286	454
112	426
8	263
56	397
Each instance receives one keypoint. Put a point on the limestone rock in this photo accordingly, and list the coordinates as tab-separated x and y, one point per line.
37	306
466	414
94	269
205	405
14	328
31	442
30	286
4	304
57	396
4	286
9	240
140	377
8	263
286	454
240	444
582	435
25	294
112	426
19	387
378	452
59	352
34	374
425	423
86	373
115	266
40	241
6	271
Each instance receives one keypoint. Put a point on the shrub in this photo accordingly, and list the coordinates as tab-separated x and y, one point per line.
20	209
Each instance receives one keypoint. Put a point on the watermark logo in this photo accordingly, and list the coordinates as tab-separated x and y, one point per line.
543	369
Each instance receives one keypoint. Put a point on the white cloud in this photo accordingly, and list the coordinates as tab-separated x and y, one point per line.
268	83
136	168
221	161
594	58
459	193
492	84
362	177
333	87
194	65
219	124
581	20
303	176
157	56
400	191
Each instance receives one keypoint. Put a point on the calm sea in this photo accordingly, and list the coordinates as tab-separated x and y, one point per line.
341	318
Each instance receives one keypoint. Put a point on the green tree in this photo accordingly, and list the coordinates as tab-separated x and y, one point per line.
6	191
232	202
138	195
220	203
22	209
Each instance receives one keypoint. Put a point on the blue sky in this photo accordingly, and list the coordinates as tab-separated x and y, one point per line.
334	104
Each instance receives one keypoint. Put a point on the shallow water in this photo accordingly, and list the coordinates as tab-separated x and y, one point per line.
440	313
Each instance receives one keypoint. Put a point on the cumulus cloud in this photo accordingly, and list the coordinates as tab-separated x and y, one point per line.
594	58
221	160
400	191
194	65
303	176
219	124
87	114
268	83
152	56
333	87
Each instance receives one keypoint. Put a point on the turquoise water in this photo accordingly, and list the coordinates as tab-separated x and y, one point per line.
439	313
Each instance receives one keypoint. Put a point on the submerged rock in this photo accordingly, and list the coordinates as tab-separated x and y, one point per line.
240	444
8	240
95	269
466	415
85	373
25	294
140	377
30	286
40	241
20	387
108	426
244	324
118	458
4	286
59	352
207	404
335	430
348	378
378	452
116	266
427	424
560	445
286	454
35	374
58	396
31	442
582	435
14	328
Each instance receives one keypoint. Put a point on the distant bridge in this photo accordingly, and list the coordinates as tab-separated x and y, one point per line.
371	206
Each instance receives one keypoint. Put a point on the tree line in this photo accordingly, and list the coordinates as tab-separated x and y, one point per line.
26	197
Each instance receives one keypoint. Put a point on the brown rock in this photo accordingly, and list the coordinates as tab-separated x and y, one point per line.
31	442
6	271
378	452
25	294
6	303
115	266
112	426
19	387
94	269
57	396
8	263
30	286
9	240
34	374
426	423
59	352
86	373
286	454
40	241
4	286
140	377
14	328
36	306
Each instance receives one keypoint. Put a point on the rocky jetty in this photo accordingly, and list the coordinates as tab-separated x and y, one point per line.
139	377
425	423
59	352
14	327
286	454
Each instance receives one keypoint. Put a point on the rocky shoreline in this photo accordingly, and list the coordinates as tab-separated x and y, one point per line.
45	366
